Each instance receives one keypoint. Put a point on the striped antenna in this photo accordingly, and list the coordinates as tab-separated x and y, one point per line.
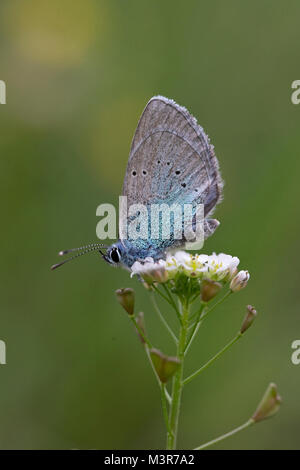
91	245
87	249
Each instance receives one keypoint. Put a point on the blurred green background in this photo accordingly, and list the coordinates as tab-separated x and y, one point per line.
78	75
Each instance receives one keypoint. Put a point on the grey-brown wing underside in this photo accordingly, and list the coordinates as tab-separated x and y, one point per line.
171	159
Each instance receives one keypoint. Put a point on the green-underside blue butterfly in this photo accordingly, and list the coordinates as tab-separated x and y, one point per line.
171	161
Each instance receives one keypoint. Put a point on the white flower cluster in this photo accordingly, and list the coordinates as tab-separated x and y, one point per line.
219	267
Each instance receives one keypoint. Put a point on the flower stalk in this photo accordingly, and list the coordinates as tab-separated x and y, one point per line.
177	381
189	279
225	436
213	359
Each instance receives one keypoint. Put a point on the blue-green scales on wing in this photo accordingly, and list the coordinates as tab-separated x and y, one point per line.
171	161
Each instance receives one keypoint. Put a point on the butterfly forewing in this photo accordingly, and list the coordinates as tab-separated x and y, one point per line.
171	159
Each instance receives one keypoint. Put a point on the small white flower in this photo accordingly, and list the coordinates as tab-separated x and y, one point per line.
191	265
172	266
215	267
181	262
219	267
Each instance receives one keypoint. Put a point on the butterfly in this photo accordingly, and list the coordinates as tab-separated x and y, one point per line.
171	161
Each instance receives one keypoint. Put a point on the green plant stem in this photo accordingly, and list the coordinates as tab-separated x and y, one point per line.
216	304
213	359
192	317
161	294
193	335
196	327
228	434
148	346
164	406
172	302
163	320
177	380
141	332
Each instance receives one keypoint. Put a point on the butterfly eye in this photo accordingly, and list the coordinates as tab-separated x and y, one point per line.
115	255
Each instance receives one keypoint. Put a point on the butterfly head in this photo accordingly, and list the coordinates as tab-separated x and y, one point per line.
114	254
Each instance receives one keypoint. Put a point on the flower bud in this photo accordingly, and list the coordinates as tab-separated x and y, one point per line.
160	275
239	281
150	271
269	404
125	297
249	318
209	289
165	366
156	274
141	323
